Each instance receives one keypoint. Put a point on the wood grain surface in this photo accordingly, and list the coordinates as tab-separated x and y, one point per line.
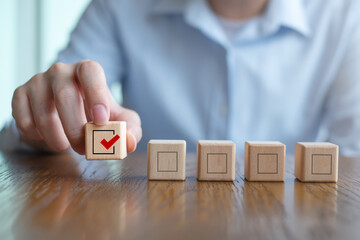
67	197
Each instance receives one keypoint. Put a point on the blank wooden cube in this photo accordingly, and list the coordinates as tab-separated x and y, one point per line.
216	160
316	162
166	159
106	141
264	161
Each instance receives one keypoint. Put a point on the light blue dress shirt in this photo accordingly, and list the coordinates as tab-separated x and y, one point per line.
291	74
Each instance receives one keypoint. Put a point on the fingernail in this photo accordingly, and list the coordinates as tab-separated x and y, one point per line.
99	114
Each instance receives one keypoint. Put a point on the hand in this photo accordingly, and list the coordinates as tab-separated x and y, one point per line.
53	107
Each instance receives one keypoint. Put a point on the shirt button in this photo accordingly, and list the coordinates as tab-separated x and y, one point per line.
224	110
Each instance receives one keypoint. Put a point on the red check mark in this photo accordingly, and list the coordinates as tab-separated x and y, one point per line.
108	144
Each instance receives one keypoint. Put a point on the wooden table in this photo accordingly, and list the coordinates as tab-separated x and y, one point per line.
67	197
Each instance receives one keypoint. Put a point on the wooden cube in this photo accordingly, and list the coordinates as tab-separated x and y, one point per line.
264	161
316	162
216	160
104	142
166	159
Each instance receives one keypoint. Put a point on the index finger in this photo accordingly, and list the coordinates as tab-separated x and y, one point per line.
97	96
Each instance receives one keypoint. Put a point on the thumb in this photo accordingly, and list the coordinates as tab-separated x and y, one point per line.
133	124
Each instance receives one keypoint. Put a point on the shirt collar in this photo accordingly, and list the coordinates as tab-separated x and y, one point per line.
288	14
197	13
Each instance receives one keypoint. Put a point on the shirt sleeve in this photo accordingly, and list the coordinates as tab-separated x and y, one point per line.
342	111
97	37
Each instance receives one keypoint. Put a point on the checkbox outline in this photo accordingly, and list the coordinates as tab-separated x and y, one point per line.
312	164
158	161
226	163
93	143
268	154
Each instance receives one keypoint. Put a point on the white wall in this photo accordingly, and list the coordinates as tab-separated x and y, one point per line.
8	21
32	33
59	17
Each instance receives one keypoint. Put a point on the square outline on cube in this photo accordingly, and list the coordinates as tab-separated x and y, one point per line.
207	163
268	154
312	164
157	160
93	148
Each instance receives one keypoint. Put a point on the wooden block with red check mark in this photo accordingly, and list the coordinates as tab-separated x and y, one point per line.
106	141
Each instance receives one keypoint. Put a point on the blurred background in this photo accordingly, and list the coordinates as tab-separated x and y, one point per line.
32	34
